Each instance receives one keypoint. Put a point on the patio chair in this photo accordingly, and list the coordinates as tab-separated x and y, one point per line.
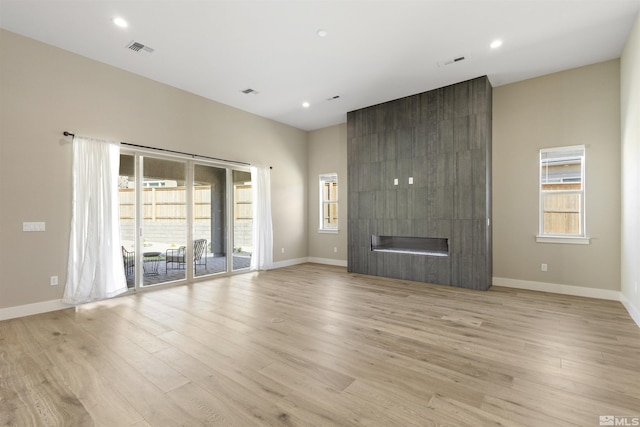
199	252
179	256
128	259
176	256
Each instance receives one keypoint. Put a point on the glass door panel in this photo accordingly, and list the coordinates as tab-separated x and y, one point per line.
242	219
127	200
164	243
209	220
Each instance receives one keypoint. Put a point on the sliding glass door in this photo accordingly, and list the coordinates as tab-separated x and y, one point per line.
127	197
209	220
177	217
242	220
164	220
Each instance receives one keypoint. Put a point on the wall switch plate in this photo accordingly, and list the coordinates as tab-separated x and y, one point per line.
335	249
543	267
33	226
395	181
410	180
282	250
53	281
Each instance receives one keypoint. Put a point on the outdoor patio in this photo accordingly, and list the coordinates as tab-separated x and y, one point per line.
156	268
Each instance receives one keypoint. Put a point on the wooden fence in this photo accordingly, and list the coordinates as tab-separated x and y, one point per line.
165	215
170	203
166	203
562	210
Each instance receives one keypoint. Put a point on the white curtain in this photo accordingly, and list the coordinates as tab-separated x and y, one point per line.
262	256
95	270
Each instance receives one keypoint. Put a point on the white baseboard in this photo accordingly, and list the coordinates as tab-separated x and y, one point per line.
570	290
633	311
554	288
328	261
53	305
288	263
31	309
296	261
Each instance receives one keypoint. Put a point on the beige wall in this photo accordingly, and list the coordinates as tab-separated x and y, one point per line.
45	90
630	123
578	106
328	153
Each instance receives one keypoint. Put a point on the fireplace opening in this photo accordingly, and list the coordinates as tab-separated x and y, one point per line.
430	246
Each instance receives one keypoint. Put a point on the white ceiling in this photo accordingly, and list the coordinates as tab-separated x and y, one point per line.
375	51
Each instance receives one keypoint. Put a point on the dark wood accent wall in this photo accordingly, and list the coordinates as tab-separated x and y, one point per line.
442	139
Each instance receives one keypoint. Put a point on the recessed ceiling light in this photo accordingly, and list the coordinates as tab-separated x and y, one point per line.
322	33
120	22
496	44
305	104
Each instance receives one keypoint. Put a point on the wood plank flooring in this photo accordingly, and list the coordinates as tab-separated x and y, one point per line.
313	345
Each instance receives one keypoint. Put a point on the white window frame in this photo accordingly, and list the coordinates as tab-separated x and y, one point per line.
581	238
327	177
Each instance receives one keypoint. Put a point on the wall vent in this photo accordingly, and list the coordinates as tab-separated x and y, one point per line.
140	48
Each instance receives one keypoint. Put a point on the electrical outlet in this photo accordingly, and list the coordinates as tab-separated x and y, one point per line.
543	267
53	280
335	250
282	250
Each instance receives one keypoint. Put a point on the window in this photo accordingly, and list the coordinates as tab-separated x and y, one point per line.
329	202
562	204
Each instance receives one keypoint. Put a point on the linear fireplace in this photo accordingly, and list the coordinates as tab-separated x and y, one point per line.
410	245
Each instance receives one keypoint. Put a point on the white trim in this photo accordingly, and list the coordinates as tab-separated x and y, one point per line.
570	240
54	305
31	309
296	261
565	148
328	231
288	263
328	261
633	311
582	192
571	290
555	288
322	178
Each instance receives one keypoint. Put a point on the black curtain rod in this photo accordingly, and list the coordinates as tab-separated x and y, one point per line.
65	133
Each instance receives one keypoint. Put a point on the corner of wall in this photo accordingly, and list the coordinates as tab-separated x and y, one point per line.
630	175
633	310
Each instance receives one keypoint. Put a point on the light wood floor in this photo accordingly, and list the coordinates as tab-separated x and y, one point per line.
313	345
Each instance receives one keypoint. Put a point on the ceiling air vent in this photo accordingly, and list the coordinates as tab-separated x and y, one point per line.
455	60
140	48
248	90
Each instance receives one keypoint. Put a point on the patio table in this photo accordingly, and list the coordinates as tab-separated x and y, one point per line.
151	263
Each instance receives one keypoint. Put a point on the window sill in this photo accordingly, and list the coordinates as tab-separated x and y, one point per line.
567	240
321	231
